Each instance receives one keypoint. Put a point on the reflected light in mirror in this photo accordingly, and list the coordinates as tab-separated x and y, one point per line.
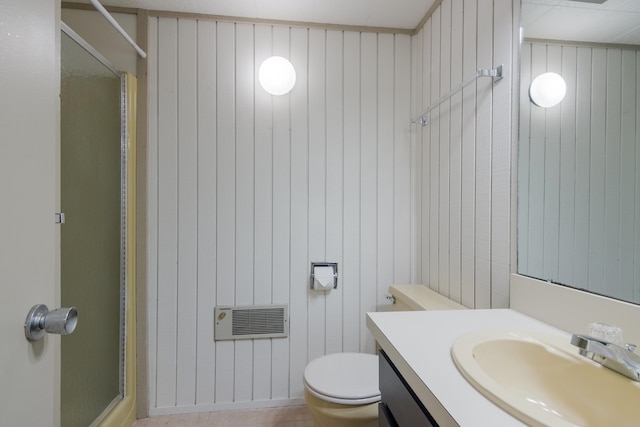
277	75
547	90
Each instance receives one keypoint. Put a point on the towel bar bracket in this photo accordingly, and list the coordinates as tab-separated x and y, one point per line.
495	73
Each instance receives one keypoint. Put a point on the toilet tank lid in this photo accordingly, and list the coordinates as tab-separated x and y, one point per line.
421	297
344	375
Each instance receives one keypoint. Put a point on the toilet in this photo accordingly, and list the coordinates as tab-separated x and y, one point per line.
341	389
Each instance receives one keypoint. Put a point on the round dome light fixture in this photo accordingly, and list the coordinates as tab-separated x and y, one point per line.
277	75
547	90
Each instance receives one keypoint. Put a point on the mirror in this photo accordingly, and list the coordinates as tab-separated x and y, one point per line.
579	161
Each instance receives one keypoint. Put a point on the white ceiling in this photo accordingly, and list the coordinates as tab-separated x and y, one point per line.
615	21
405	14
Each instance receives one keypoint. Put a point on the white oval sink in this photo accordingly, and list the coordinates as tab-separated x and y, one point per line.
543	381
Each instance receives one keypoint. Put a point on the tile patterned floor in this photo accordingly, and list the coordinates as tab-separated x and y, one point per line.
293	416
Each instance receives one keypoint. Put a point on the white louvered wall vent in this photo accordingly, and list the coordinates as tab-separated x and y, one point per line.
251	321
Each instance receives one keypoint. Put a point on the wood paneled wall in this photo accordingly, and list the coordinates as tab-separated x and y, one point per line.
247	189
465	151
579	208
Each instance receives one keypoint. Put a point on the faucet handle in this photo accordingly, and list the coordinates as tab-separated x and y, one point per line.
606	332
630	347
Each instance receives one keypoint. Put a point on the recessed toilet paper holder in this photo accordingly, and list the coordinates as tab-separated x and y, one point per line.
332	265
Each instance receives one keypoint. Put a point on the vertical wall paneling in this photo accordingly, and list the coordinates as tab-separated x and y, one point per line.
583	142
416	159
226	196
207	210
334	185
613	168
187	205
167	212
466	160
245	171
434	155
577	181
368	181
523	165
299	241
536	174
468	178
152	206
551	175
627	173
281	217
425	169
444	150
597	171
566	235
247	189
317	183
483	157
385	164
445	144
263	208
501	156
636	264
351	271
402	191
455	167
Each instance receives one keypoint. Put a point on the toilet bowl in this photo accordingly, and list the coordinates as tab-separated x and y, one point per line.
341	389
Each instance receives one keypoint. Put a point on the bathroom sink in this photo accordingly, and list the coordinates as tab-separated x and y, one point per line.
543	381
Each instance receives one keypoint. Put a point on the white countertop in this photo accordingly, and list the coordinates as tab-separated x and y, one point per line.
419	344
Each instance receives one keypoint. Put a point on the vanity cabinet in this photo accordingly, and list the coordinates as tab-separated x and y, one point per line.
399	406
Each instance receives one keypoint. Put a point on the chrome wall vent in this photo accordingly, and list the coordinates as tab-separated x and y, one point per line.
251	322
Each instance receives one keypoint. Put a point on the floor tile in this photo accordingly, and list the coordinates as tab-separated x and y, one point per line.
291	416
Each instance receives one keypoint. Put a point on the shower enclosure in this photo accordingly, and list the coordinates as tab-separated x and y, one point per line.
94	244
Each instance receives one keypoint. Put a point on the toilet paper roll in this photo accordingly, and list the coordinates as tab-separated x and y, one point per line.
322	278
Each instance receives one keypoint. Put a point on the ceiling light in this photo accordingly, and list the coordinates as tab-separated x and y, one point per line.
547	90
277	75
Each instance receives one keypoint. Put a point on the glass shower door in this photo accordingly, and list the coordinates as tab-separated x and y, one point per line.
91	164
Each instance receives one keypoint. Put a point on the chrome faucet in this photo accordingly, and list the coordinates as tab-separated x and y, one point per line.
620	359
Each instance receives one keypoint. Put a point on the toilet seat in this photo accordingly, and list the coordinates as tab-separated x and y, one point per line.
344	378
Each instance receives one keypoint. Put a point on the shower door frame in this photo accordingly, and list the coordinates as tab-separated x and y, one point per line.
125	201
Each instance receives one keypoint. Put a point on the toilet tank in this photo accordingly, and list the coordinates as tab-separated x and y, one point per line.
415	297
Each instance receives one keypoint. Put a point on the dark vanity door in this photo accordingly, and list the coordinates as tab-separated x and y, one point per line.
399	406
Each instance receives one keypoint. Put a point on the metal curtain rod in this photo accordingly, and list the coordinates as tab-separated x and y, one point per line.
495	73
117	26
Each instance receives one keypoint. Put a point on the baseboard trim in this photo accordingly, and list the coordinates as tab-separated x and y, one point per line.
230	406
